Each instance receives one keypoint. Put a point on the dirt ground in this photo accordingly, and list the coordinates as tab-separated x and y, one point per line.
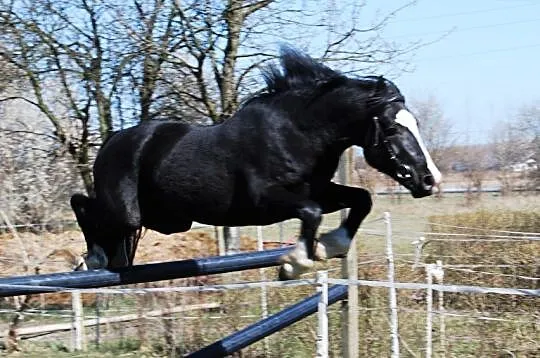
51	252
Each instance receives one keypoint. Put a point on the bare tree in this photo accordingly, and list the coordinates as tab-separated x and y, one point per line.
117	63
47	44
437	130
516	145
528	123
36	176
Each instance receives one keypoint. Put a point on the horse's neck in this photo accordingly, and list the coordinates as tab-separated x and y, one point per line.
343	123
327	163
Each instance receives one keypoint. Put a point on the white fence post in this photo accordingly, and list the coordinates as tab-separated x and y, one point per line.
264	291
349	270
442	324
231	235
434	271
322	315
221	240
392	291
78	327
281	233
429	318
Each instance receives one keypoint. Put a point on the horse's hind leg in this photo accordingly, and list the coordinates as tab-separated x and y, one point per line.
301	258
335	197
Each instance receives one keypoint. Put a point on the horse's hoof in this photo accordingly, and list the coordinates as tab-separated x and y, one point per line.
289	271
294	264
333	244
286	272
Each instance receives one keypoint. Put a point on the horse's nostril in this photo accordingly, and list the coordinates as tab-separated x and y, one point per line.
429	181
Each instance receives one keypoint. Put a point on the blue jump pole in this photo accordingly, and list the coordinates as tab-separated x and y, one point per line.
269	325
24	285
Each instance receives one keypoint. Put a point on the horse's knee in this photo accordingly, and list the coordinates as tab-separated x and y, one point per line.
130	216
310	214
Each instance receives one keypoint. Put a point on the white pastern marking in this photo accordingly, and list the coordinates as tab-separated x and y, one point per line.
405	118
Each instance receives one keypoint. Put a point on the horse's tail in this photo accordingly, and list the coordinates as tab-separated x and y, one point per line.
132	242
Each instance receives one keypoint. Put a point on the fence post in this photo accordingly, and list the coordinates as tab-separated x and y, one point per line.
78	327
264	293
322	315
98	313
231	235
429	318
439	276
281	234
349	270
392	291
218	230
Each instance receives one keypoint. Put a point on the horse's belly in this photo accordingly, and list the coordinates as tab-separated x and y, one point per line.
211	210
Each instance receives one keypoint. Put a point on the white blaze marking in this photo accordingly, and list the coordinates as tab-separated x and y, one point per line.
406	119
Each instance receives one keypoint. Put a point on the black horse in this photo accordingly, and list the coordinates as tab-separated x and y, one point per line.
273	160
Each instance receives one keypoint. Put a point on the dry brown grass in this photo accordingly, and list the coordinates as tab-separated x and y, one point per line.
242	307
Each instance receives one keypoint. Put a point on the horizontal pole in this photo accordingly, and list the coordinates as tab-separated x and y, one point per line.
29	332
269	325
33	284
441	288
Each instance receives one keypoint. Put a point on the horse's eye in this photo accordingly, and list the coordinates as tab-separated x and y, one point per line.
403	172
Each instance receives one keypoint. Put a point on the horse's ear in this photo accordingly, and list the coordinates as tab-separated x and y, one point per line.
379	88
381	84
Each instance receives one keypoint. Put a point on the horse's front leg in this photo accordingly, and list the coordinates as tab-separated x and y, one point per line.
300	259
336	197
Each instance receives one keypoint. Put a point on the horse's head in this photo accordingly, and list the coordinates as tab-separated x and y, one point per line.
393	144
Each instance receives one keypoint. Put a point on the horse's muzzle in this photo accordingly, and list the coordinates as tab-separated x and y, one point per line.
423	187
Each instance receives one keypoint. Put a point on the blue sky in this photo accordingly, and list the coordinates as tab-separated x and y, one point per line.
483	71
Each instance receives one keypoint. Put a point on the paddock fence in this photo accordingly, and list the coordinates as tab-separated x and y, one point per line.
409	302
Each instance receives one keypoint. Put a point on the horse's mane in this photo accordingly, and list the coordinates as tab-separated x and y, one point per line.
297	71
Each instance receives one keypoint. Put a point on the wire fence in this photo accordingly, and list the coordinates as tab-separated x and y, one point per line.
234	300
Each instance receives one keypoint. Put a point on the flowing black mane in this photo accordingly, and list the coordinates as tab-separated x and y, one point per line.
298	71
